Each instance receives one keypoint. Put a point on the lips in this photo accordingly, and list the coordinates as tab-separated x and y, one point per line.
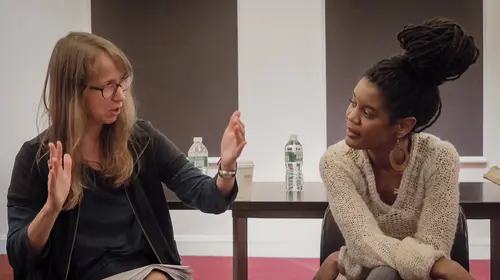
352	133
116	110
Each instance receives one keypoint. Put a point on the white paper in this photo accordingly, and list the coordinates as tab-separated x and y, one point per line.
177	272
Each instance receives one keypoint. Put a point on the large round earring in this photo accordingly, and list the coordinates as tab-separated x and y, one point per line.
394	164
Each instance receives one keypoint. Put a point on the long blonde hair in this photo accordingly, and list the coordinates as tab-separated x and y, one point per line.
69	69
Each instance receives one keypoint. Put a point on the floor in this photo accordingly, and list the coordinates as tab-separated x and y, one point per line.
220	268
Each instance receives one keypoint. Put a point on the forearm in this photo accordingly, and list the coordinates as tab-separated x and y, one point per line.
40	228
208	194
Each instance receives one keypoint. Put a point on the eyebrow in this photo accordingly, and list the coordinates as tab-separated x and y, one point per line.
366	106
113	81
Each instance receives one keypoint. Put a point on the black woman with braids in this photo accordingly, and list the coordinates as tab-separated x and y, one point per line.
393	189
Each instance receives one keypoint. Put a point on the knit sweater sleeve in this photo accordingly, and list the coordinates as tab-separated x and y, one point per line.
439	217
366	245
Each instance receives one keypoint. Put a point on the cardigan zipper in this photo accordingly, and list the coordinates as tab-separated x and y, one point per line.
135	214
142	228
72	244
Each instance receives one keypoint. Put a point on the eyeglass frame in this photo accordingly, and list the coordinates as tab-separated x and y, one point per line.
116	85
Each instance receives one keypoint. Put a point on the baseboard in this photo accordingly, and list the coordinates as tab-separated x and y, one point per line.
222	245
3	244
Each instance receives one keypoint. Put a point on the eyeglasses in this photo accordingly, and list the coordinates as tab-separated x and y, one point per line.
110	90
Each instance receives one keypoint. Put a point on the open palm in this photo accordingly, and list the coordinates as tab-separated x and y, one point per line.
59	176
233	140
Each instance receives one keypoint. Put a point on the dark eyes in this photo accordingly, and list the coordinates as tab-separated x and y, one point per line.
354	104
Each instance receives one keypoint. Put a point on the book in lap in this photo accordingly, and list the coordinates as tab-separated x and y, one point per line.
176	272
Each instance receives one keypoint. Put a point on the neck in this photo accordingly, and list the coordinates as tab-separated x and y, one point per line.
380	157
93	133
91	143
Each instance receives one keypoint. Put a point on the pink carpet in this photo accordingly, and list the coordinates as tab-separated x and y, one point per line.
220	268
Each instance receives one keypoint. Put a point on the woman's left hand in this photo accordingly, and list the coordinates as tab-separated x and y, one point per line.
233	142
329	269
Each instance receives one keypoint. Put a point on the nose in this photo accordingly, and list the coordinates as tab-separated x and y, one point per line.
119	95
352	116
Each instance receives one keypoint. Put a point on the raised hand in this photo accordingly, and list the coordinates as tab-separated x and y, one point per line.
233	141
59	177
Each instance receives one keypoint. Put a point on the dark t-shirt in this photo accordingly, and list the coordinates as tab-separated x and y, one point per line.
109	239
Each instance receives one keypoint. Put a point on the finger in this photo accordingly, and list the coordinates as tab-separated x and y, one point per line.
242	128
49	164
241	123
236	114
240	147
52	149
237	128
67	165
234	117
59	152
55	166
240	138
52	179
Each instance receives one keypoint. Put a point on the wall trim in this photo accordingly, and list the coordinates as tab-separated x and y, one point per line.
467	159
222	245
3	244
473	159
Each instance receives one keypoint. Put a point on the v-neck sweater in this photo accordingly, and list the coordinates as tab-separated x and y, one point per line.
412	233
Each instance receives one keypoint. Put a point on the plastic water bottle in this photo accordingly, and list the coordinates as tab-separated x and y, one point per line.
293	162
198	154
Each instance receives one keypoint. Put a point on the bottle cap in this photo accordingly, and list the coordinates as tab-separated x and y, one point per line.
293	137
197	139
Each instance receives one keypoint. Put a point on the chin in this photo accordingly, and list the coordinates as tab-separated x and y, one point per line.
110	120
353	143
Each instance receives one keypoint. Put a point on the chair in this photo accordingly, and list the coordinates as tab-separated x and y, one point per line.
332	239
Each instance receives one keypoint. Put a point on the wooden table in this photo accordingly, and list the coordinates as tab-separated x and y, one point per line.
269	200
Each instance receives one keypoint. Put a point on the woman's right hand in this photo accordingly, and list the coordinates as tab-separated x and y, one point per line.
447	269
59	181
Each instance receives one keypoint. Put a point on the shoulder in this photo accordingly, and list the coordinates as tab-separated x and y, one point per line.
145	132
340	160
339	154
143	128
29	173
435	150
31	149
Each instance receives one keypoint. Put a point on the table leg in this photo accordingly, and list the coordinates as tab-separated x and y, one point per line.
495	248
240	248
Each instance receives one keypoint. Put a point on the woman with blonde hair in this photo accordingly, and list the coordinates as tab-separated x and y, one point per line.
86	199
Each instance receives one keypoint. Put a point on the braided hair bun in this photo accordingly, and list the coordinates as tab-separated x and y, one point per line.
438	50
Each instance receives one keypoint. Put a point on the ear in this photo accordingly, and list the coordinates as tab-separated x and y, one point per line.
405	126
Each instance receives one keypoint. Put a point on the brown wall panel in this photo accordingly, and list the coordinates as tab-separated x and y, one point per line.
359	33
185	60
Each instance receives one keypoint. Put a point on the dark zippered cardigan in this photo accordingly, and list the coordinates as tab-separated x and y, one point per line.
157	161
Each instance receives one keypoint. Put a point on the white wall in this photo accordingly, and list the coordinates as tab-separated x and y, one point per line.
28	31
281	91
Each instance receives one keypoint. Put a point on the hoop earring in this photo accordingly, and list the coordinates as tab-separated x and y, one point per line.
392	155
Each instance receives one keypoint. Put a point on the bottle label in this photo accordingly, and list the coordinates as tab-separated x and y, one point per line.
293	157
199	161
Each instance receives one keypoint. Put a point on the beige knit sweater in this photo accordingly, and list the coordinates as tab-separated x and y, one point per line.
416	230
